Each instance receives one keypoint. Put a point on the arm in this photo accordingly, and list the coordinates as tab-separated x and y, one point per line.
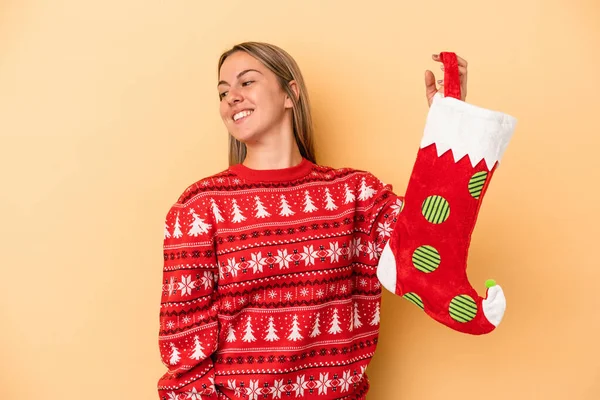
425	257
188	315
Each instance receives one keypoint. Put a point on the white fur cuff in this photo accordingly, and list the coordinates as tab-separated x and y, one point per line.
467	129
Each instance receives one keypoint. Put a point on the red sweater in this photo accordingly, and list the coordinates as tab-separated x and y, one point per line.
272	278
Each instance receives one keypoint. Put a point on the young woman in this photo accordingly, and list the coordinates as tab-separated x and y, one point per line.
273	267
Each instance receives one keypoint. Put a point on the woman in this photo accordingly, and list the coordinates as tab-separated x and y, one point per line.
273	267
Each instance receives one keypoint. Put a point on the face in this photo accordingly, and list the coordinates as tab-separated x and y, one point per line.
252	103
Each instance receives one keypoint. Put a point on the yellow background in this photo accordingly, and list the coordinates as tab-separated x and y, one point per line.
108	110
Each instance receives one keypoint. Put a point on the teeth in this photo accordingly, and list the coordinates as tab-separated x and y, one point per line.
242	114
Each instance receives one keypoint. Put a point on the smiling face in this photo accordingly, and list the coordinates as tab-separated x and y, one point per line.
252	103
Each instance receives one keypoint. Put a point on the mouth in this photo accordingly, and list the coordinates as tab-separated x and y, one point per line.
241	115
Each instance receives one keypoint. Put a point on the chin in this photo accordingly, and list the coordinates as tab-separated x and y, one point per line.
245	136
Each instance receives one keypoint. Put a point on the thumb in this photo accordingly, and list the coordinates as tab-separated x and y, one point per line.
430	87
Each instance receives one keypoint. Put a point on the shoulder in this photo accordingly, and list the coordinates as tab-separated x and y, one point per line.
203	187
193	204
350	175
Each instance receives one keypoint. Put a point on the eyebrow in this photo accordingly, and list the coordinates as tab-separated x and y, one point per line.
238	76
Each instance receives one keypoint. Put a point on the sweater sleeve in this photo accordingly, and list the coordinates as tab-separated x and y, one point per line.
189	328
424	256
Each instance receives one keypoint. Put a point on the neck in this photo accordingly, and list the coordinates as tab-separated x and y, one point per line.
274	150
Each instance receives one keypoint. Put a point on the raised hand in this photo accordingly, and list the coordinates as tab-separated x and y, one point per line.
430	83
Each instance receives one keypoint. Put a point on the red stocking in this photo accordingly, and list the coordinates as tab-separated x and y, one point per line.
425	259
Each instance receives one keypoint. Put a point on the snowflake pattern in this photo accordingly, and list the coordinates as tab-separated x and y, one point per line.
301	387
384	229
309	255
186	285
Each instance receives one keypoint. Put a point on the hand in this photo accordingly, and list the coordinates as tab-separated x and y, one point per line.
430	88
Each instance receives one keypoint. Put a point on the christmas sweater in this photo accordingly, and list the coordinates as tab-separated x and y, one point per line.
273	278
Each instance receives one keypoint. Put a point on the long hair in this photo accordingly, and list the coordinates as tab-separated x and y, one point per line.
286	69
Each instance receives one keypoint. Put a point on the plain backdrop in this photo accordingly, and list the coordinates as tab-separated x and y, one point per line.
109	110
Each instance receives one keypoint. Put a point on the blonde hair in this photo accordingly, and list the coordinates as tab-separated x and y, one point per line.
285	68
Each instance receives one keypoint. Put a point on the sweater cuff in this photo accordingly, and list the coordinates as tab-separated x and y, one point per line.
467	129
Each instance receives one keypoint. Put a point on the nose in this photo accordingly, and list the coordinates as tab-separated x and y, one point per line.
234	96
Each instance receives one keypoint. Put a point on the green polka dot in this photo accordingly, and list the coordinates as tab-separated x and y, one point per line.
476	183
426	259
435	209
414	298
463	308
490	283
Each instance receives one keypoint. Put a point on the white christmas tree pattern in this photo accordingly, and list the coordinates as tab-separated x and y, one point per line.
177	230
286	211
329	204
174	355
198	353
231	334
375	319
315	330
237	213
198	225
308	203
216	211
295	329
365	191
261	211
335	323
271	331
167	234
349	194
248	332
357	322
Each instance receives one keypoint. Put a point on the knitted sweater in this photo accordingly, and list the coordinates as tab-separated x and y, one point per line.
272	278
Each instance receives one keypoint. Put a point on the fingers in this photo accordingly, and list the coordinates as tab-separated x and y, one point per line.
461	70
429	80
461	61
430	86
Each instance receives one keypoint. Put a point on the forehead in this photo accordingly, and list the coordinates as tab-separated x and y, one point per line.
238	62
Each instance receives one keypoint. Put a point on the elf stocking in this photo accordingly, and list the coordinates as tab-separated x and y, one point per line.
425	259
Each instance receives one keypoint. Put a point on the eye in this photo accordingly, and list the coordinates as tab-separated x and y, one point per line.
247	83
221	95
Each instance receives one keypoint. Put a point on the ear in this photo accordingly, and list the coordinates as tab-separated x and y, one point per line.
294	86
